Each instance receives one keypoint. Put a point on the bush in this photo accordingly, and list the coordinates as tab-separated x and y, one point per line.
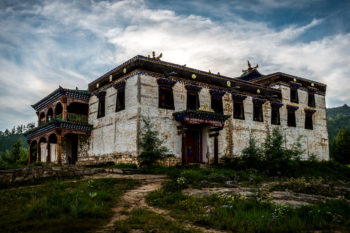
151	145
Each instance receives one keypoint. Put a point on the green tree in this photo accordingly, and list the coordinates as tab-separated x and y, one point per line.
341	146
151	145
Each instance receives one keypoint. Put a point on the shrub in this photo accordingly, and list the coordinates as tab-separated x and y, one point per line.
151	145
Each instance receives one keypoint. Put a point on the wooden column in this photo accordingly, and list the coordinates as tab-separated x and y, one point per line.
48	158
64	108
59	148
216	149
184	149
39	151
30	153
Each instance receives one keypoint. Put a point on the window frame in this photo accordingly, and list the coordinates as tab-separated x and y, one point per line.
275	108
296	97
120	95
291	122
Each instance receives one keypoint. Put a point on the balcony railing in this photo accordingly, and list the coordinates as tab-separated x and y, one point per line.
77	118
59	116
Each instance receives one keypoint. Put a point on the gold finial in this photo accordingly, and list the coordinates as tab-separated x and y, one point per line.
110	78
97	85
250	68
228	83
194	76
124	70
294	79
258	91
312	84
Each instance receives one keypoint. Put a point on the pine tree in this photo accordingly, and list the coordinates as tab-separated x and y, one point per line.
341	146
151	145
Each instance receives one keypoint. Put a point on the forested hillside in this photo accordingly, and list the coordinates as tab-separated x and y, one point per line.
10	137
337	118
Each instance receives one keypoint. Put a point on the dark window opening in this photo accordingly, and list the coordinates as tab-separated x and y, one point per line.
275	116
216	104
311	99
308	121
258	113
238	110
101	107
291	119
120	103
192	101
166	98
294	95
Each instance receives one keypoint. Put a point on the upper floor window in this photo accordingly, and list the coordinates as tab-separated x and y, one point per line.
275	113
166	96
294	95
101	104
258	110
311	99
192	97
120	103
216	101
120	100
308	119
238	106
291	119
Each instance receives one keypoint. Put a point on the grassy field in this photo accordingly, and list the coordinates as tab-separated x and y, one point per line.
58	206
241	214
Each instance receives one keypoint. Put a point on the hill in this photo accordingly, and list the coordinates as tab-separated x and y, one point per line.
337	118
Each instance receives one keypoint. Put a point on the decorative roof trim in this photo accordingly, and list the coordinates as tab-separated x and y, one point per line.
53	96
54	124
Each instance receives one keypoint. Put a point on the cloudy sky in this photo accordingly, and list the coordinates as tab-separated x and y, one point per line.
44	44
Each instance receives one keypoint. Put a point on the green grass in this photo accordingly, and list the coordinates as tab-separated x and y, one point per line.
58	206
149	221
235	213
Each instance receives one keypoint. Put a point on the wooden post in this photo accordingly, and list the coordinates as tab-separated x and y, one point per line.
48	158
216	150
39	152
59	149
64	112
30	153
184	149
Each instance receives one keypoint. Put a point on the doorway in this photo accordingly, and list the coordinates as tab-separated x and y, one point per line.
193	146
72	148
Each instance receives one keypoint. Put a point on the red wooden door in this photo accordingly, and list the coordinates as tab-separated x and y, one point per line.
193	146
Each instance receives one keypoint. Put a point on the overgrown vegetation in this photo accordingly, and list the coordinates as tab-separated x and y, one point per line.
151	145
340	146
14	158
148	221
317	186
239	214
61	206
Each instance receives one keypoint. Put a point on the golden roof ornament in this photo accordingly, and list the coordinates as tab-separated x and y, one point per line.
250	68
157	57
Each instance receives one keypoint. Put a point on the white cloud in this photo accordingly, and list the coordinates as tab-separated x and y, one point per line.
67	44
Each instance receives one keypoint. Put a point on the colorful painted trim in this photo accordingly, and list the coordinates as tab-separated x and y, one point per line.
259	101
197	117
292	108
56	123
75	94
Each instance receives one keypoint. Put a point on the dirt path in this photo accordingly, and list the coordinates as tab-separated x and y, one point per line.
132	199
136	198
